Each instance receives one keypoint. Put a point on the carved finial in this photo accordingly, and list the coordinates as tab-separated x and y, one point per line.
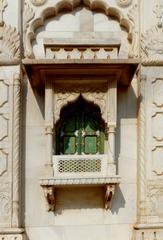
3	5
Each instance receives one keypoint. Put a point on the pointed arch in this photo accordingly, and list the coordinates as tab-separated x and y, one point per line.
51	10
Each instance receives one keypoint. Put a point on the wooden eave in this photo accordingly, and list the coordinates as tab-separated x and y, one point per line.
40	70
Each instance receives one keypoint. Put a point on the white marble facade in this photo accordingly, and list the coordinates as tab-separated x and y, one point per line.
28	30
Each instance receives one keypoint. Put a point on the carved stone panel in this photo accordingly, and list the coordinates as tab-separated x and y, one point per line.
157	161
3	162
155	197
158	126
3	128
158	92
3	93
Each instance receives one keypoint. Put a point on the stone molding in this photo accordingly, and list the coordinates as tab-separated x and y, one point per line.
141	152
50	10
16	152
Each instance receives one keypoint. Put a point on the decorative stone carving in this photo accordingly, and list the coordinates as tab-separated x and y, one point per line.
124	3
28	15
148	234
49	185
3	92
49	193
3	162
50	10
159	14
3	5
92	95
11	237
155	196
9	44
152	46
38	2
5	203
133	16
109	192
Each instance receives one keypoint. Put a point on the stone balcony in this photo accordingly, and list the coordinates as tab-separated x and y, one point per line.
83	171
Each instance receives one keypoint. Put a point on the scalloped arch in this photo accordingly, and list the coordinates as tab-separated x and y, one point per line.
53	10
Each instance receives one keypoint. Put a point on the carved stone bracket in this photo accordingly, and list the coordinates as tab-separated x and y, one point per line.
49	185
109	192
49	193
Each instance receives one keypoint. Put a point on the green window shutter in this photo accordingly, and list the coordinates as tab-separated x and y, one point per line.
80	132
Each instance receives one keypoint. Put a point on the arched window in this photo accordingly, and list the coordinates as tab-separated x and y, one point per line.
80	129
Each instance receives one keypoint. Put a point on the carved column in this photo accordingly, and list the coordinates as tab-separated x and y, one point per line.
49	123
112	119
141	154
16	153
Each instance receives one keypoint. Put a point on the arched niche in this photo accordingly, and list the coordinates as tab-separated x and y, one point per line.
93	96
38	19
80	129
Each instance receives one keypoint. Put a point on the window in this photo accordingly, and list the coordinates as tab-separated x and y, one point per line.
80	129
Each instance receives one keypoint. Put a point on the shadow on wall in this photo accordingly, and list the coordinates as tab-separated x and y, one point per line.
86	198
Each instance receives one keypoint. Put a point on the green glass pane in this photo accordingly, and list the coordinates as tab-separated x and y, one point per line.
70	124
69	144
90	144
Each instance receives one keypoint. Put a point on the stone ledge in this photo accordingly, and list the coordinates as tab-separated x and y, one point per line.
80	181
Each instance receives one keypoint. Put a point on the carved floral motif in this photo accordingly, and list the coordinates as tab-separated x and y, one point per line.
9	44
152	46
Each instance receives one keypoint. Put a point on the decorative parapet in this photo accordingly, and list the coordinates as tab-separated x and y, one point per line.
81	49
50	184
